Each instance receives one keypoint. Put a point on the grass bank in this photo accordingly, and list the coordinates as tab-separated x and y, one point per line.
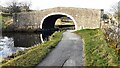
0	21
35	54
97	51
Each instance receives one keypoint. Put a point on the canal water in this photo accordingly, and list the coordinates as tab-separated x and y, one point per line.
10	42
24	39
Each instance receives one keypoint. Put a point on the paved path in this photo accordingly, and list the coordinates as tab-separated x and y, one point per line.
69	52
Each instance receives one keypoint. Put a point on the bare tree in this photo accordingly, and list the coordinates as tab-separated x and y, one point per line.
116	9
25	6
14	6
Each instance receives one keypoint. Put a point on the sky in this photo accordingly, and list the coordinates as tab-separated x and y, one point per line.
44	4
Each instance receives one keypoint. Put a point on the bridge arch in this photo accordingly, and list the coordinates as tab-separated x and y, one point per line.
56	16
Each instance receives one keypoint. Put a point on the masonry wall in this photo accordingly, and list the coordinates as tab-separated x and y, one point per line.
85	18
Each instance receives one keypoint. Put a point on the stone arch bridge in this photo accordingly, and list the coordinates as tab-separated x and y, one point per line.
82	17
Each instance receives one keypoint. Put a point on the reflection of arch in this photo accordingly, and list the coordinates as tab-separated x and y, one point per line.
59	15
41	38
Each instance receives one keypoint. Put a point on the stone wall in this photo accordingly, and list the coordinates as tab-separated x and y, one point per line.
85	18
112	35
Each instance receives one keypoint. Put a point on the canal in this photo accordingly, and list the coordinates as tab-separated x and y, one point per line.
11	42
24	39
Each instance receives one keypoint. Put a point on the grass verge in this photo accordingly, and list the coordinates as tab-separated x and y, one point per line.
35	54
97	51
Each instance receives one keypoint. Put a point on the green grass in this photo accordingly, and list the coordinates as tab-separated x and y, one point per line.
5	21
0	21
96	50
35	54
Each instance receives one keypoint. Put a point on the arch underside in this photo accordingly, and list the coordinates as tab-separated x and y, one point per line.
49	22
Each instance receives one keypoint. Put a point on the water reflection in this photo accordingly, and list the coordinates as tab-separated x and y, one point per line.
45	35
10	42
7	47
24	39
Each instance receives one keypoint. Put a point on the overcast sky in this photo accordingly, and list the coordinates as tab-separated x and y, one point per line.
44	4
